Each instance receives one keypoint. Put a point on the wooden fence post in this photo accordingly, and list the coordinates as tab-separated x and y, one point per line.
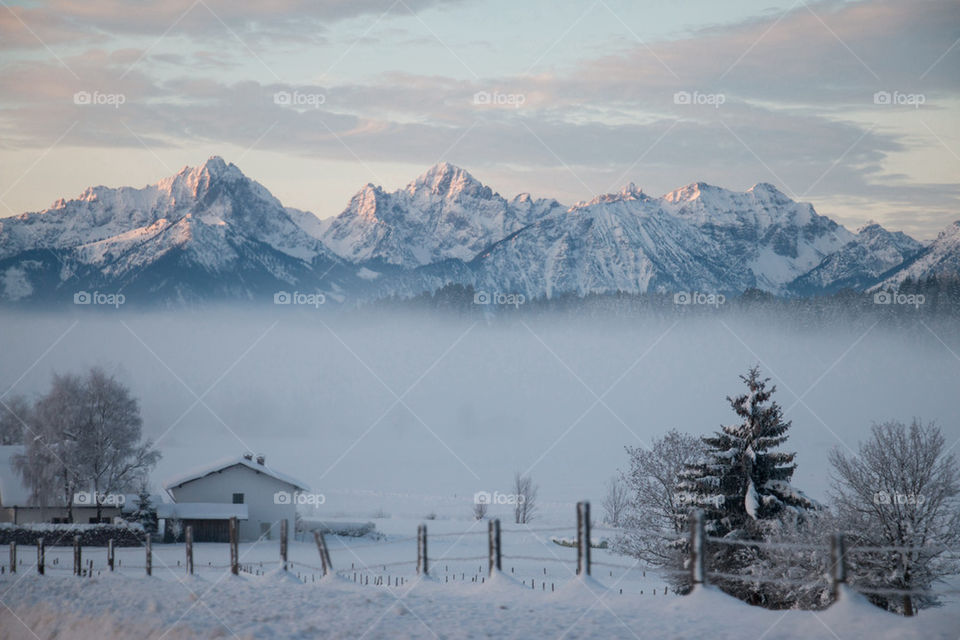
838	564
493	531
76	556
188	536
41	555
422	565
110	553
583	538
234	554
149	548
13	557
283	542
697	543
323	551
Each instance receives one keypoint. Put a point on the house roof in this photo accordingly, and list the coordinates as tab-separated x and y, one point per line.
13	493
226	463
202	510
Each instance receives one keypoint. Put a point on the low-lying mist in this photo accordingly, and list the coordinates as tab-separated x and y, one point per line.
439	405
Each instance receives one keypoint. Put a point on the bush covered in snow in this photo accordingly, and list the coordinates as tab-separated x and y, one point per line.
124	534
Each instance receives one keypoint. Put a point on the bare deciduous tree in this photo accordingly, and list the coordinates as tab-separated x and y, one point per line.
480	510
901	490
615	501
15	417
655	517
86	435
525	494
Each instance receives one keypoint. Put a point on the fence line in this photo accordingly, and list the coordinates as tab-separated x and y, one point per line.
698	572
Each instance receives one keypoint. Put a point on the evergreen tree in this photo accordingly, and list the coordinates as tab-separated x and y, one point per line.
146	512
742	485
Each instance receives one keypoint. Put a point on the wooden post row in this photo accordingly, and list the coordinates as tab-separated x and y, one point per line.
422	566
583	538
493	532
323	551
189	540
149	547
234	555
697	546
283	543
838	564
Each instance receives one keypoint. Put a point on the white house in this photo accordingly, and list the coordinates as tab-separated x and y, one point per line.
245	487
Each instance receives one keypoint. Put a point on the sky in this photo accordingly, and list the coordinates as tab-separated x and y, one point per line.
852	106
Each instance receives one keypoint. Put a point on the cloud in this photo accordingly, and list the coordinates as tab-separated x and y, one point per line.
787	99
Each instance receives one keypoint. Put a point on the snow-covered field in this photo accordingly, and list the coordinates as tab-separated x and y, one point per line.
457	601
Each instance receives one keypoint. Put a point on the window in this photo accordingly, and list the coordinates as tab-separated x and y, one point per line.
238	498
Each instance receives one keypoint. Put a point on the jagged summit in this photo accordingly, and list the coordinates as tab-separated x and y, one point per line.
449	180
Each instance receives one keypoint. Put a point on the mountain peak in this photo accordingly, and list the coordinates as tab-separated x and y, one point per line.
767	189
690	192
448	179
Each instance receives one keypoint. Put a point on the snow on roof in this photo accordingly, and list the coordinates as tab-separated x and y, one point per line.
202	510
226	463
12	491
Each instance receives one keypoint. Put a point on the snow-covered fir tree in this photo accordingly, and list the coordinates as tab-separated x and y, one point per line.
742	485
146	512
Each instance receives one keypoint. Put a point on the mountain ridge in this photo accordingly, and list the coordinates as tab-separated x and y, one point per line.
211	232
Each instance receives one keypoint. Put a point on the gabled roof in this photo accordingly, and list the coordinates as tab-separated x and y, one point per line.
226	463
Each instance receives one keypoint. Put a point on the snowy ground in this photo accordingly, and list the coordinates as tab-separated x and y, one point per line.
457	601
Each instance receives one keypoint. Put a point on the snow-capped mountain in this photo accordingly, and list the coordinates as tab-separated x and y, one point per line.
859	263
445	213
206	232
766	233
942	257
699	237
211	233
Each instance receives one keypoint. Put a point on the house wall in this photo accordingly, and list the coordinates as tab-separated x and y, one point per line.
258	489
